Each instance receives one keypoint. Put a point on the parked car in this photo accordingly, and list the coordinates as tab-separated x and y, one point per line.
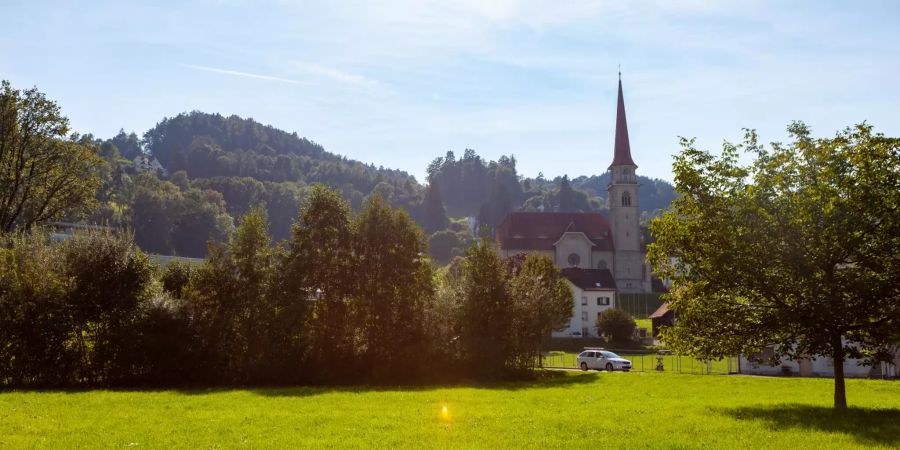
602	360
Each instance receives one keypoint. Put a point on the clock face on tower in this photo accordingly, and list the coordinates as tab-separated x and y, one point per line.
574	259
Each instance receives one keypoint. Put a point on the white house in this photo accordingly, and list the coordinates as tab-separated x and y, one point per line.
594	291
149	164
818	367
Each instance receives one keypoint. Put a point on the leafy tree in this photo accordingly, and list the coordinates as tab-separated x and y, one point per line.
616	324
34	327
45	173
176	275
441	245
797	249
393	284
486	311
319	263
229	298
543	304
111	281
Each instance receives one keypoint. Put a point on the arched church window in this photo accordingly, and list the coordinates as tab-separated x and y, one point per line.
626	199
601	265
574	259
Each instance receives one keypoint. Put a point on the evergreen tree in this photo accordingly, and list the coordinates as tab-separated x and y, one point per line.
434	217
565	196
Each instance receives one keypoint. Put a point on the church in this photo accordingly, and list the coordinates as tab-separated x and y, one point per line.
599	257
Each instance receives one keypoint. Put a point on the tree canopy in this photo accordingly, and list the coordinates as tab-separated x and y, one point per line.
46	172
797	249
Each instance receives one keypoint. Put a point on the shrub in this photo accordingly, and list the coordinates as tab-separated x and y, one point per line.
617	325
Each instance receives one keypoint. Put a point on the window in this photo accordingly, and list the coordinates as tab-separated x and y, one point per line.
626	199
574	259
584	301
602	301
584	316
601	265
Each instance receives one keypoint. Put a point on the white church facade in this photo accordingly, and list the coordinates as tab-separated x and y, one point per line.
599	257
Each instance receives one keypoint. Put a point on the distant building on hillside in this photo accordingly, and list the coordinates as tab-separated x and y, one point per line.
147	163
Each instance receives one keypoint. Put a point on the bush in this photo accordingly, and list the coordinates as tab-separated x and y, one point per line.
617	325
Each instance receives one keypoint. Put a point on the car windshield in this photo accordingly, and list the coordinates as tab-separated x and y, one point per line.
610	354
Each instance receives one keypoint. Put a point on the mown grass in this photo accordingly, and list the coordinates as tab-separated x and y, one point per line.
580	410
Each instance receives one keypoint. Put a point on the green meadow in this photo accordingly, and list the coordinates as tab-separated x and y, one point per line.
567	409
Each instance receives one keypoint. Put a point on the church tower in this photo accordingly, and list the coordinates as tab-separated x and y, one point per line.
623	187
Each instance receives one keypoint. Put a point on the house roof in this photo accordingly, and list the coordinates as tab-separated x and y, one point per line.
589	279
541	230
661	311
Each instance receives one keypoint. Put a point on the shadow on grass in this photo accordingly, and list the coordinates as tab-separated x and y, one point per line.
867	426
546	379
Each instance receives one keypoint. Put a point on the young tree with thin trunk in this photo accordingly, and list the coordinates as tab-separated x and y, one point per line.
797	249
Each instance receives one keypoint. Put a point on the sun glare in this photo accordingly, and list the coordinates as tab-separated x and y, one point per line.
445	413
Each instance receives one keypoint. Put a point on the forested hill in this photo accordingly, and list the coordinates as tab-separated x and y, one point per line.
211	145
217	168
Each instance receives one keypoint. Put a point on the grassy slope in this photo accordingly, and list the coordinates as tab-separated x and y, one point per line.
590	410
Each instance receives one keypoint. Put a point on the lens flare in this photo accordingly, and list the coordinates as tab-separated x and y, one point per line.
445	413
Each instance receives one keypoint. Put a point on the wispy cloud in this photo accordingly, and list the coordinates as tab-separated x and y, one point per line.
243	74
331	74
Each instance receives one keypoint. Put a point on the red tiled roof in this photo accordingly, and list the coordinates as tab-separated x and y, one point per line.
540	230
589	279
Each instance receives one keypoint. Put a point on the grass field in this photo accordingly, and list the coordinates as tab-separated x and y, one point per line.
580	410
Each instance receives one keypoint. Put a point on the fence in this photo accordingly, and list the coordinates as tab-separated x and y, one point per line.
650	362
638	305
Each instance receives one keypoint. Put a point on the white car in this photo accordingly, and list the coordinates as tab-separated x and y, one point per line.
602	360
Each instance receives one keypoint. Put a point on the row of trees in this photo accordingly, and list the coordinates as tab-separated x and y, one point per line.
348	298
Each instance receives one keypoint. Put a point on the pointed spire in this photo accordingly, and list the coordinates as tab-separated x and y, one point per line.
622	154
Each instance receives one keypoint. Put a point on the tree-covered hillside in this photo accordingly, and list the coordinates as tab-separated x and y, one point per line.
218	168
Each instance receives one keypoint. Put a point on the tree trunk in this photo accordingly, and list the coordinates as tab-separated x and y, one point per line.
840	391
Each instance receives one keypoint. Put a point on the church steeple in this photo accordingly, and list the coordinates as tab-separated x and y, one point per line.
622	152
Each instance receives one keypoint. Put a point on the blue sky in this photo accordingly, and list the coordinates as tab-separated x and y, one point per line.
398	83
